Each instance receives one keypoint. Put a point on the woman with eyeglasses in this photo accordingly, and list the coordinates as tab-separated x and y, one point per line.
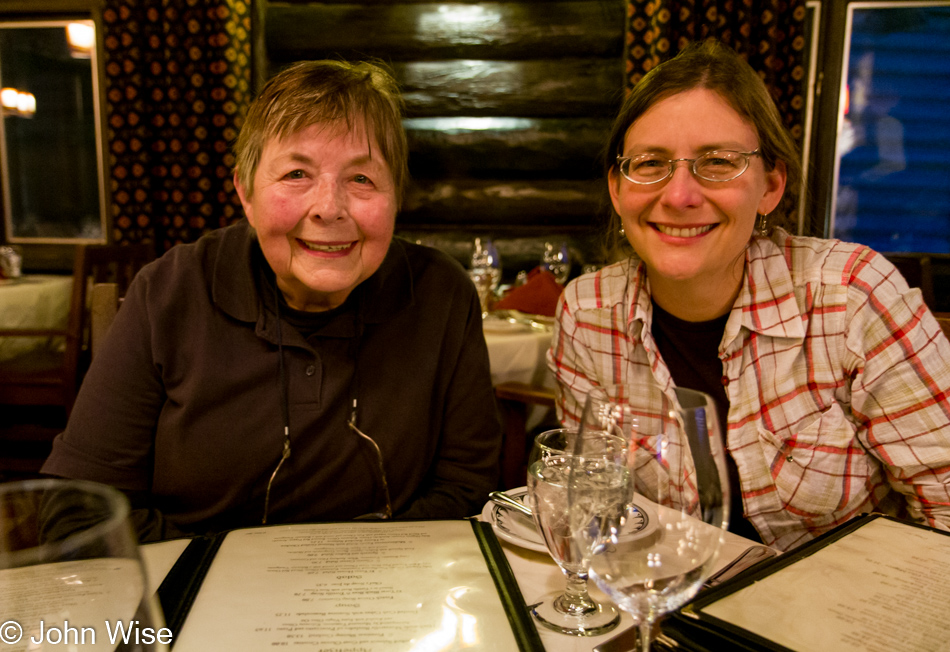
831	376
302	364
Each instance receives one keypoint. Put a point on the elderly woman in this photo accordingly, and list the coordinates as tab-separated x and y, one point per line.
301	364
830	374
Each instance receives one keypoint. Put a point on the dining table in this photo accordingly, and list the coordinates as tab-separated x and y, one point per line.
33	301
518	344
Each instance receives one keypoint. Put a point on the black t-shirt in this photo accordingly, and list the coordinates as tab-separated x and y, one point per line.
691	352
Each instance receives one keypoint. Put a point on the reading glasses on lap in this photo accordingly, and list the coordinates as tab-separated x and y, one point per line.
717	166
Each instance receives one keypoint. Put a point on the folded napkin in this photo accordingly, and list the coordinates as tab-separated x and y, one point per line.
538	296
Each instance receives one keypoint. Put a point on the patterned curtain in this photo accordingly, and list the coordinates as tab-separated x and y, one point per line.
770	34
178	76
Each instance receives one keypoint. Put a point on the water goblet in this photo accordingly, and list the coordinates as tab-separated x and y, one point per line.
677	470
71	573
556	260
571	611
485	270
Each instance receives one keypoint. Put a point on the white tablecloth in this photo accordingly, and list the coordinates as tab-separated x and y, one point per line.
32	301
519	356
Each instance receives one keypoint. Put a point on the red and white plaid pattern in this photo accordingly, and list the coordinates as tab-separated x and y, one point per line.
837	376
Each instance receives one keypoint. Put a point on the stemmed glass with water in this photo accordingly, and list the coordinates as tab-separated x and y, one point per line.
71	576
675	472
556	259
485	270
571	611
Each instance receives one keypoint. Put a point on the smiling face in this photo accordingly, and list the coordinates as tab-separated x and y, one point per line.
690	233
324	208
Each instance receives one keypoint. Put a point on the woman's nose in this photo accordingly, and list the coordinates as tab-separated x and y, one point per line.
682	189
326	200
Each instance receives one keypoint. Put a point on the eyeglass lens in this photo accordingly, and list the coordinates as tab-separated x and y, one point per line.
711	166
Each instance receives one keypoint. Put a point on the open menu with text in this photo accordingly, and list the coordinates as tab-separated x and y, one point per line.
875	584
363	586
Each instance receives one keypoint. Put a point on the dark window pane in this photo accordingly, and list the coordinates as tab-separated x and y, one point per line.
893	189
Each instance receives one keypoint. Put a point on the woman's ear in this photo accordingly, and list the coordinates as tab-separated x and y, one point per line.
774	188
613	186
245	200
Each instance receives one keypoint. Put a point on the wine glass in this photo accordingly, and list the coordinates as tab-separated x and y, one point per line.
485	270
571	611
556	260
677	478
71	572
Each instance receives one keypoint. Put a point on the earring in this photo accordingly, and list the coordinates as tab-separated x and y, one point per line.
762	225
623	234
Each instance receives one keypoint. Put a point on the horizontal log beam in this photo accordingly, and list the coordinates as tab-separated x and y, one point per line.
506	147
470	203
587	87
542	88
401	31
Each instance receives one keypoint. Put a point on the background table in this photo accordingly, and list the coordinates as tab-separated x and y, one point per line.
32	301
520	355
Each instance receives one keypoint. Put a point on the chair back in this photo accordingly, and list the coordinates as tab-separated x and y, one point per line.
112	263
917	270
103	306
943	318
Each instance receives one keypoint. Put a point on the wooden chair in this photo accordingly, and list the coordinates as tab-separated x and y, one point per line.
51	377
514	401
943	318
102	308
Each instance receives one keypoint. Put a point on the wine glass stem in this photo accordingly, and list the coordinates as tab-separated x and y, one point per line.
646	633
575	599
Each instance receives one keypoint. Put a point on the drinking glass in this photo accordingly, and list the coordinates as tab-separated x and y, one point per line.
71	576
676	474
571	611
485	270
556	260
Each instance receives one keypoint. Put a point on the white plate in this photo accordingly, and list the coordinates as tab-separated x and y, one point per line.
516	528
513	526
494	325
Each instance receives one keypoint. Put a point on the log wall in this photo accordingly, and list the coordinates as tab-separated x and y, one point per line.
508	104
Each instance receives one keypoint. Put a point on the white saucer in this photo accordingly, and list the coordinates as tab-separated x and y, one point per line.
511	525
516	528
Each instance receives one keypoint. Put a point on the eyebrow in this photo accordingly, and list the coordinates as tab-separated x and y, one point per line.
303	158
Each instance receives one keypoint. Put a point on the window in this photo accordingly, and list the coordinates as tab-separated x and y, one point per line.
50	136
886	83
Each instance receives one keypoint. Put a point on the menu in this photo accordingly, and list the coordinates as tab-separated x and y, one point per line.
876	585
361	586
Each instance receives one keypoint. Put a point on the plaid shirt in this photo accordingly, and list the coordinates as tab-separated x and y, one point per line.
835	370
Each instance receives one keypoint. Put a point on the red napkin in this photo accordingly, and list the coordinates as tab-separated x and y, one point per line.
538	296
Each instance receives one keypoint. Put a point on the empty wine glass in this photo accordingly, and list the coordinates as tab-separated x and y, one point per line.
677	476
485	270
556	260
571	611
70	571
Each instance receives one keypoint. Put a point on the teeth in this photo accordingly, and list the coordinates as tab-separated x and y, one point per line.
325	248
683	233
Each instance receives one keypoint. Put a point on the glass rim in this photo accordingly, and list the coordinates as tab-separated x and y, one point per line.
546	447
119	514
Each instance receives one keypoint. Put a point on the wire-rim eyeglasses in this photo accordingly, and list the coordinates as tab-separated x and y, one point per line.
717	166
